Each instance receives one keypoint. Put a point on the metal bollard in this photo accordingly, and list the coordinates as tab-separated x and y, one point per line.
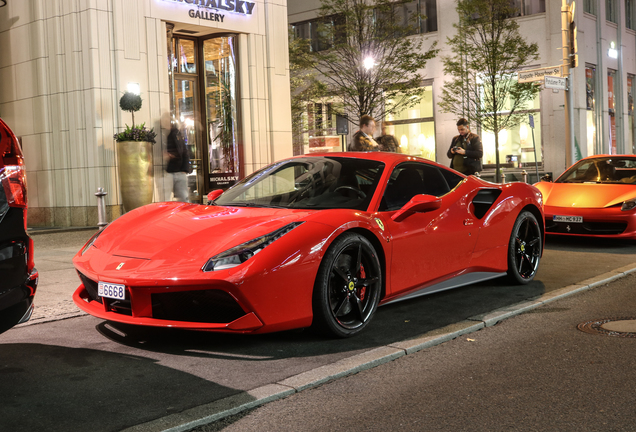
524	174
503	175
101	208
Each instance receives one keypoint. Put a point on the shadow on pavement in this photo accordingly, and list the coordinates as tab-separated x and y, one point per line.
590	244
52	388
392	323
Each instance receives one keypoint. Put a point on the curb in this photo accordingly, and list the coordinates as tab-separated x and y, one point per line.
208	413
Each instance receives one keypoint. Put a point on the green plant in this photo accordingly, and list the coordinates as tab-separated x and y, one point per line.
136	133
130	102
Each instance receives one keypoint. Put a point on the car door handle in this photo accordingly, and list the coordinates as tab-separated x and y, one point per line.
468	222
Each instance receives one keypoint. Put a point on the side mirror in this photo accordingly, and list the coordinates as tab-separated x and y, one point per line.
547	178
214	195
418	204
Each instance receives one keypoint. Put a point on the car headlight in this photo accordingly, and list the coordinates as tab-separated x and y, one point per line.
92	240
241	253
629	205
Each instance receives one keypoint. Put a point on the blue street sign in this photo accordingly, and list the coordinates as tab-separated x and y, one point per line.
531	121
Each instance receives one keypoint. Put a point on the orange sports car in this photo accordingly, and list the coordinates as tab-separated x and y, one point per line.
595	197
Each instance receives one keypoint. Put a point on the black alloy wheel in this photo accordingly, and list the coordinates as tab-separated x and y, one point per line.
348	286
524	248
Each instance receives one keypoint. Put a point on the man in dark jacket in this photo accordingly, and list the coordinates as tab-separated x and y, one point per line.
465	150
363	139
178	163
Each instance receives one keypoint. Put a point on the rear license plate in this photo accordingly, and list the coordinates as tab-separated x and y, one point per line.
570	219
110	290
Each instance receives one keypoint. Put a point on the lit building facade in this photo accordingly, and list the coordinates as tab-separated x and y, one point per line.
219	67
603	85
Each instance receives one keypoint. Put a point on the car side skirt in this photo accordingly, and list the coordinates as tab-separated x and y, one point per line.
455	282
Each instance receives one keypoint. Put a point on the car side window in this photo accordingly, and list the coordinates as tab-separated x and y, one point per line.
410	179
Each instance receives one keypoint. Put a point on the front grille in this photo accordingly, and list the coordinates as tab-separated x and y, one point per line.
599	228
208	306
91	287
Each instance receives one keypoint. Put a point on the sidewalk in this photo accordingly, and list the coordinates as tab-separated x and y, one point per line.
54	251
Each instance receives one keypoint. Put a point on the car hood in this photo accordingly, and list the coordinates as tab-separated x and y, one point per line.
583	195
190	230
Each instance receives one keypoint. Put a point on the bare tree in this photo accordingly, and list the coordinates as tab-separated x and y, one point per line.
487	53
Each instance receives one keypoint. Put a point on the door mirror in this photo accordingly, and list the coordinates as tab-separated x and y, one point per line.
418	204
214	195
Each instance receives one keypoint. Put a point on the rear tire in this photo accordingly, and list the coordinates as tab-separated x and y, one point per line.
524	249
348	287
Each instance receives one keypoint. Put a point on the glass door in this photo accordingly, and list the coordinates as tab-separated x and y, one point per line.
186	96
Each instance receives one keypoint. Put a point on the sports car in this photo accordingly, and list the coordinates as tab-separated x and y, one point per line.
318	241
18	276
595	197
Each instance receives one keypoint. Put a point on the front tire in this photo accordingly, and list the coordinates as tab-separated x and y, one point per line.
348	287
524	249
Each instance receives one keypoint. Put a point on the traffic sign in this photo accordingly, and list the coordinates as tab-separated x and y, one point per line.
538	74
555	83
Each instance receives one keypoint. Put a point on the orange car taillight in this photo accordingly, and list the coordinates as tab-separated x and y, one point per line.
13	173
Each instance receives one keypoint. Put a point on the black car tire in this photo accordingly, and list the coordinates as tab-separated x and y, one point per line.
524	248
348	287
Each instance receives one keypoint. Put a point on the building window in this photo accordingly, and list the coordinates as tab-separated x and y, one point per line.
590	102
631	132
414	128
528	7
630	14
419	16
516	145
589	6
319	129
611	11
320	32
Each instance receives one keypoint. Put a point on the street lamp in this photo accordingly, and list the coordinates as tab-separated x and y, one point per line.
369	63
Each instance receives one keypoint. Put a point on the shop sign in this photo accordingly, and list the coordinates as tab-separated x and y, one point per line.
237	6
222	180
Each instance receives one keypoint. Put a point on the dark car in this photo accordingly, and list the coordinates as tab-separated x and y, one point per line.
18	276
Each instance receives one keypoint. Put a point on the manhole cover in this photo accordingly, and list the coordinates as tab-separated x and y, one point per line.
619	327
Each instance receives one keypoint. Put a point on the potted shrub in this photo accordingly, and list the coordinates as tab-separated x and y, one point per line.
134	154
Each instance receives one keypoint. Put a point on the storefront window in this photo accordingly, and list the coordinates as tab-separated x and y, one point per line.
516	145
321	134
631	133
414	128
590	102
611	120
220	111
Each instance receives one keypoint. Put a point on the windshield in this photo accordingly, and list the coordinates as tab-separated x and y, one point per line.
614	170
308	183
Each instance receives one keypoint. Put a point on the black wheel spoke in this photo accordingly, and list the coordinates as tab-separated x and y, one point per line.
527	222
520	264
358	308
358	260
340	307
369	281
341	273
534	242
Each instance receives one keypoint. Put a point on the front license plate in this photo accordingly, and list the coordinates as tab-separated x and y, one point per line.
110	290
569	219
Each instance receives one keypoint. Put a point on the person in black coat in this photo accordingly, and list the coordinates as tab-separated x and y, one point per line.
465	151
178	163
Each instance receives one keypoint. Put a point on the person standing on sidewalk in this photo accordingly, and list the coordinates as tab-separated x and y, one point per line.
363	139
465	150
386	141
178	163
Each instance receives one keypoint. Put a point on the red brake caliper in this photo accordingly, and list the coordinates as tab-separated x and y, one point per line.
363	290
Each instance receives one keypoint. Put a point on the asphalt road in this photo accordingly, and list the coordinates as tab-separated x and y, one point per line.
533	372
82	373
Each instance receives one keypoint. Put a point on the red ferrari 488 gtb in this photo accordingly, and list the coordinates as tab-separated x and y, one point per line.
317	240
